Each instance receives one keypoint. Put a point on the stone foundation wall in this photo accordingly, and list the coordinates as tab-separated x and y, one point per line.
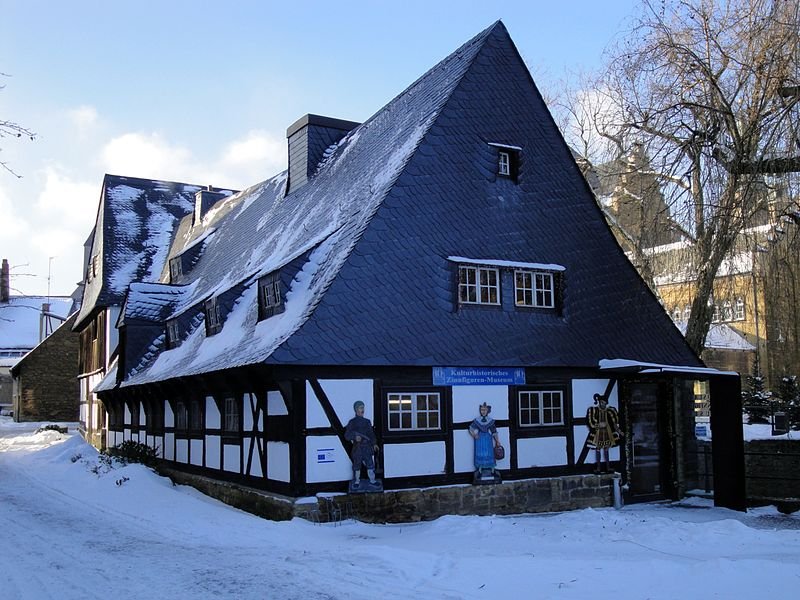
403	506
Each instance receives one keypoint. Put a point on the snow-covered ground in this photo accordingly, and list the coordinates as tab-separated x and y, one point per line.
67	532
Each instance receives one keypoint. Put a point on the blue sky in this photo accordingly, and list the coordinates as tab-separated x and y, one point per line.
203	92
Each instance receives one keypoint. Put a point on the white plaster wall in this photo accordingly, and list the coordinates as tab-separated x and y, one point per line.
247	412
342	393
341	469
403	460
230	458
464	450
142	415
126	435
169	416
580	440
583	391
278	461
212	414
276	404
182	451
541	452
467	399
197	452
169	446
212	451
127	417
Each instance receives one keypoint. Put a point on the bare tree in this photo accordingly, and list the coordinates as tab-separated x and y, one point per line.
708	91
13	130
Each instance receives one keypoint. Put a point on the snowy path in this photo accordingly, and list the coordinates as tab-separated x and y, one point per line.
68	533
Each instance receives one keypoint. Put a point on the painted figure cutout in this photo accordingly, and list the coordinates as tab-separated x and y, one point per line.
604	433
359	431
484	432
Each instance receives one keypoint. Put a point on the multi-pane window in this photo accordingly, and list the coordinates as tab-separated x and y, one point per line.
541	407
231	415
504	163
413	410
173	334
213	320
738	310
727	311
175	268
270	301
534	289
687	312
716	316
478	285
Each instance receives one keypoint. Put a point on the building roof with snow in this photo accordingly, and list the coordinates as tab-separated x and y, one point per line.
136	222
367	246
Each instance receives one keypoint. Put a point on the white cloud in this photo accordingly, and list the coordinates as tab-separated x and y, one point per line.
258	153
65	202
149	156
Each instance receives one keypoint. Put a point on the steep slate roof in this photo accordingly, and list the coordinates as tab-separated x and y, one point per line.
404	191
135	224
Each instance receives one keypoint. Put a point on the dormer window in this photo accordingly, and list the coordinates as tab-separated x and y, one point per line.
270	300
534	289
507	160
175	269
478	285
173	334
504	164
212	314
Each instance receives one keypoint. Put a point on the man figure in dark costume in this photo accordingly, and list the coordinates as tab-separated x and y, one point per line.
603	423
359	431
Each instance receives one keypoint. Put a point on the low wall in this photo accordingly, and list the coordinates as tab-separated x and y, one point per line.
419	504
773	469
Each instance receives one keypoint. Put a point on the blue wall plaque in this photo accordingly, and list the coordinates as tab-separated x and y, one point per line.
478	376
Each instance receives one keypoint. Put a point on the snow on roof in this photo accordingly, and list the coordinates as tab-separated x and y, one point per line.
323	219
507	263
19	319
623	364
721	336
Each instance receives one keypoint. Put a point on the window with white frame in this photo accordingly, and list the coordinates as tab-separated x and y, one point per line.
534	289
727	311
687	312
213	320
715	314
232	415
504	163
270	301
541	407
478	285
413	411
738	310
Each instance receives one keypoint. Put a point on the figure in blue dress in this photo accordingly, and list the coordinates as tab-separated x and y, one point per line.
484	432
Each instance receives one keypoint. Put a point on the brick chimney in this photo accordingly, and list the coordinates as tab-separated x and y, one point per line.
204	200
5	282
309	137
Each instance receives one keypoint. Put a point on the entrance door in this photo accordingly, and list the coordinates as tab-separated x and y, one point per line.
645	444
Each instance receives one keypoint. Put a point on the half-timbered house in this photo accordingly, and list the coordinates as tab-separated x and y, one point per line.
444	253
